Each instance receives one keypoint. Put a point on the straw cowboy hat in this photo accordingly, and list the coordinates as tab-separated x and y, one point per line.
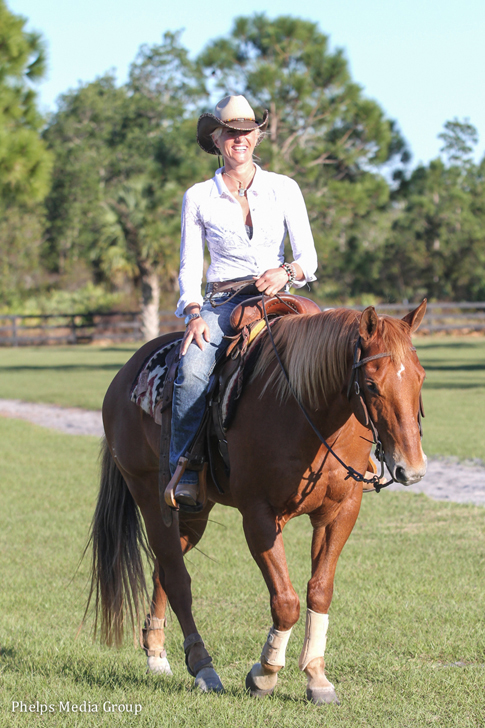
232	112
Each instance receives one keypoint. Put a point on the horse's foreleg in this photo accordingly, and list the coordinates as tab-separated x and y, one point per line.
265	540
154	630
327	544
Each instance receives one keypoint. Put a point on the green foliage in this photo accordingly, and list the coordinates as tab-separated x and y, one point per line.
24	162
21	240
84	137
122	167
123	155
85	299
459	138
437	244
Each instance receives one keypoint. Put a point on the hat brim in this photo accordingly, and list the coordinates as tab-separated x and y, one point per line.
208	123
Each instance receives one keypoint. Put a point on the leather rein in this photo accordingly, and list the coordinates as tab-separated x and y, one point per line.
358	362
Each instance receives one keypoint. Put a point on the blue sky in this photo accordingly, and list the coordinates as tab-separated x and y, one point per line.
422	60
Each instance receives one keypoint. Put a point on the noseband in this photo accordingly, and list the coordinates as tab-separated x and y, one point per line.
358	362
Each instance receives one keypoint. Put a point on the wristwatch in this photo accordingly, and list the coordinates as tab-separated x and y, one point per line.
190	317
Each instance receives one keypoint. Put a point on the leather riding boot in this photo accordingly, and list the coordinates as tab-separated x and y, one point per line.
186	494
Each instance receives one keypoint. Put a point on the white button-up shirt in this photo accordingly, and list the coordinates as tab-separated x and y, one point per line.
211	214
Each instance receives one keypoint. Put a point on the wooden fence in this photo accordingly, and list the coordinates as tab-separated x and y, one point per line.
78	328
86	328
453	318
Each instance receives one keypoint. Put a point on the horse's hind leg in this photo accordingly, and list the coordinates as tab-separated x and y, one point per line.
154	630
191	531
265	540
173	581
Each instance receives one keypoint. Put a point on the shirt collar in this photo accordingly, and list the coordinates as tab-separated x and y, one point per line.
256	187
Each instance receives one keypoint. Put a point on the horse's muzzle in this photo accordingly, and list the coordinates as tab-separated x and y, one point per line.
407	474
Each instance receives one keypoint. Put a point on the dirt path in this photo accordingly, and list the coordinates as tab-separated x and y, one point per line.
72	420
446	479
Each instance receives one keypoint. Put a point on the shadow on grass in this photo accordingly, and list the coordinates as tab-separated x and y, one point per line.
459	345
97	672
7	653
62	367
455	367
92	673
452	385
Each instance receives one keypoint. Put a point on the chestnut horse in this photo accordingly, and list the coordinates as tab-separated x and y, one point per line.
279	469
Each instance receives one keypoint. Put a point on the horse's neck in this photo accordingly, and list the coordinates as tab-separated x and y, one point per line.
331	414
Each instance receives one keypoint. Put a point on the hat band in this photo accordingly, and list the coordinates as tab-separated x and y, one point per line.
228	121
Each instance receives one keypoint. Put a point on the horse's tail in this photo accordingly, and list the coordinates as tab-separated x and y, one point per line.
119	542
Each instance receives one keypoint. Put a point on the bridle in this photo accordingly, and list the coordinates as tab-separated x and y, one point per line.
358	362
354	383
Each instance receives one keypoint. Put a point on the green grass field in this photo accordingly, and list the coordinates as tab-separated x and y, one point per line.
454	391
406	644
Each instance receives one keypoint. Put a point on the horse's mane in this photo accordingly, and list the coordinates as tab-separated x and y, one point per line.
316	350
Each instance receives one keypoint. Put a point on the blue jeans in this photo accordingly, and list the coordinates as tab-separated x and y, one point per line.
190	387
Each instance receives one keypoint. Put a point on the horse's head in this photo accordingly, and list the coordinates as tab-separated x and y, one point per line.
387	383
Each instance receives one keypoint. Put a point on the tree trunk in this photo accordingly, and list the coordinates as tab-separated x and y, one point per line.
150	304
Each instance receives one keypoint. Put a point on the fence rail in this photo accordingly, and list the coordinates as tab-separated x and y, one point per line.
84	328
459	318
77	328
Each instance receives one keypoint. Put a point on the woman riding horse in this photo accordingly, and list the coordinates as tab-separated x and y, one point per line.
344	378
244	214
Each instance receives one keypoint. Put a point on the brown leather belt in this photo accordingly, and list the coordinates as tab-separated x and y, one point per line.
236	285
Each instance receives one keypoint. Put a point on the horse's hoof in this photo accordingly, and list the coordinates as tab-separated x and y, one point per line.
258	683
322	696
158	666
208	681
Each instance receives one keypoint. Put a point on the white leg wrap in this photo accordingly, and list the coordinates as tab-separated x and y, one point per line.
315	637
274	649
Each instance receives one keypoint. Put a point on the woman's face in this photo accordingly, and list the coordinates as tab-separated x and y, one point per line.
237	146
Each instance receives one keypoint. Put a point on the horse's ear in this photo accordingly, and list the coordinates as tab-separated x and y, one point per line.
414	318
368	324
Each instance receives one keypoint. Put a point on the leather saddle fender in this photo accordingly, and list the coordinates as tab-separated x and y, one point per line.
251	310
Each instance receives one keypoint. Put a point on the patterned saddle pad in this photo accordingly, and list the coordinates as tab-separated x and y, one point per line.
147	388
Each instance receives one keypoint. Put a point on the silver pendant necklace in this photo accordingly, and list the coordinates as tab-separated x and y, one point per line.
242	190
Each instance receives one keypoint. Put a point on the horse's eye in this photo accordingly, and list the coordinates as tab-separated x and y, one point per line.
372	387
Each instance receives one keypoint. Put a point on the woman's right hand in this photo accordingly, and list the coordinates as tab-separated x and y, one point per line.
197	331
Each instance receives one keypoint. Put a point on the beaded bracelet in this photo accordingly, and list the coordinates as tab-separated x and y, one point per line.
290	272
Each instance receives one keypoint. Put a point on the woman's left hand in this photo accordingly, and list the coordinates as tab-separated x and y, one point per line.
272	281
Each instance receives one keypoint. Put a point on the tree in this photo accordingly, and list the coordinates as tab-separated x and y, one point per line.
459	138
86	139
123	161
24	162
437	245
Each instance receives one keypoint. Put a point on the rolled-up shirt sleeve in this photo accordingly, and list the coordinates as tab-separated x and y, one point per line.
191	254
300	233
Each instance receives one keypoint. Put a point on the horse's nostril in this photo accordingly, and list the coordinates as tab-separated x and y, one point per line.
400	474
